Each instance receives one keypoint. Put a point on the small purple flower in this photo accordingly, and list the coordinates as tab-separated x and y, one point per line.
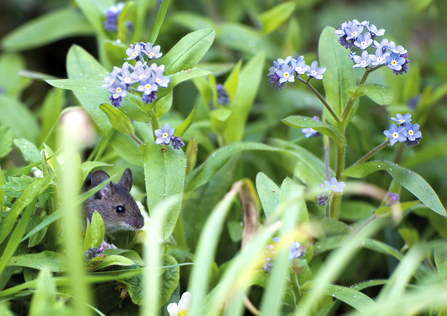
354	31
392	199
394	61
401	119
152	52
222	95
116	102
285	74
413	102
296	250
161	80
341	30
334	185
322	199
308	131
362	61
315	71
141	72
112	14
398	50
412	132
404	68
300	67
383	45
133	52
126	77
363	23
379	58
364	41
149	98
117	89
176	142
147	86
111	79
374	32
395	134
164	134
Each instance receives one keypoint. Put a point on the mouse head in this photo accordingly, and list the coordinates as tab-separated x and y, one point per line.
114	202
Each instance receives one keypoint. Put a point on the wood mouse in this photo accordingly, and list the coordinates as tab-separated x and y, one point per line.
114	203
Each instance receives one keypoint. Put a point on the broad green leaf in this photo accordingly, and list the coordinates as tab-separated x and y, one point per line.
130	254
407	178
92	13
87	166
56	25
29	150
355	210
220	120
163	105
118	119
268	193
188	51
186	124
31	193
51	110
230	84
164	171
409	235
114	260
193	21
323	128
440	256
6	138
126	148
18	117
379	93
44	298
94	234
36	239
15	186
247	89
339	75
246	39
274	17
53	261
191	155
10	79
159	21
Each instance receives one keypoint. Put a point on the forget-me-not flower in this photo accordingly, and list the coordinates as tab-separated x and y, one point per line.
374	32
412	131
361	61
395	134
394	61
334	185
401	119
364	41
164	134
285	74
379	58
315	71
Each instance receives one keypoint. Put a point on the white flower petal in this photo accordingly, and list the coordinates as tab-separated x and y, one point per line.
173	309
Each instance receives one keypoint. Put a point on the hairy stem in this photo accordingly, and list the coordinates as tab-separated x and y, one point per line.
371	153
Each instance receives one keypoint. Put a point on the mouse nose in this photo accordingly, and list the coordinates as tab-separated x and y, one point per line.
138	223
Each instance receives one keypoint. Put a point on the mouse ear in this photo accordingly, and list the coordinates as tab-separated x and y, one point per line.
126	179
106	191
98	177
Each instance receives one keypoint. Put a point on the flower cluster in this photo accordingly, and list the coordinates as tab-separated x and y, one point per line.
222	96
147	78
286	70
165	135
386	52
404	132
308	131
296	251
112	15
392	199
334	186
91	253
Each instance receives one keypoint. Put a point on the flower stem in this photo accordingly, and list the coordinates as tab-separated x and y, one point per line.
371	153
135	138
336	197
326	156
326	105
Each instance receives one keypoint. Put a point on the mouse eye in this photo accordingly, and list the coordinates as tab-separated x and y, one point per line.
120	209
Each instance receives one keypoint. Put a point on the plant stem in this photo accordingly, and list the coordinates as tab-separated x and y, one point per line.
135	138
326	105
336	197
371	153
326	156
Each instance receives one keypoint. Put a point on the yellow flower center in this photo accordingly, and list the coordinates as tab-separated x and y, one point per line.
286	74
333	187
118	89
151	54
165	135
394	63
354	33
401	120
410	132
395	135
182	313
148	86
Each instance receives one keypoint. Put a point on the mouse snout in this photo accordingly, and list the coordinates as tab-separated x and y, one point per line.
138	223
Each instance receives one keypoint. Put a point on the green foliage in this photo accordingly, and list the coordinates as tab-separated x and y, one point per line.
375	248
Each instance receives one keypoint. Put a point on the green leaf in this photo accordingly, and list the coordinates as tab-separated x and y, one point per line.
220	120
169	279
407	178
44	298
159	21
87	166
5	141
53	261
10	79
165	176
92	13
31	193
188	51
51	110
440	256
118	119
381	94
163	105
114	260
18	117
247	89
323	128
56	25
268	193
186	124
274	17
350	296
94	234
15	186
29	150
339	75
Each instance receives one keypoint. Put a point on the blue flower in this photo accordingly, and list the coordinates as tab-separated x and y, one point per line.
363	23
222	96
315	71
141	72
133	52
394	61
112	14
334	185
404	68
176	142
392	199
412	132
300	67
374	32
117	89
308	131
362	61
152	52
161	80
398	50
364	41
395	134
111	79
164	134
126	77
383	45
147	86
353	31
351	55
401	119
379	58
285	74
342	29
296	250
149	98
322	199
